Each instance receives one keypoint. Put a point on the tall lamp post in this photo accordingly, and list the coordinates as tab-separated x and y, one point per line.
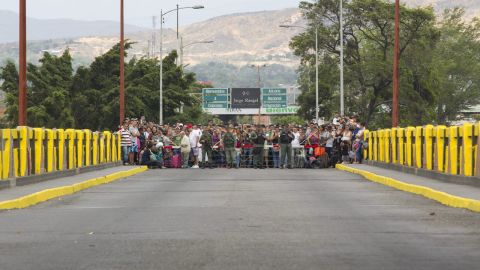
182	47
22	74
161	53
316	67
396	62
259	85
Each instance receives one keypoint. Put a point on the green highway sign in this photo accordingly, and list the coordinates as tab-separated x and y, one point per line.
216	98
215	105
274	91
274	97
215	91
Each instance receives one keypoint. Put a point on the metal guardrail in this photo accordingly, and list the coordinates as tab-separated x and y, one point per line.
452	150
26	151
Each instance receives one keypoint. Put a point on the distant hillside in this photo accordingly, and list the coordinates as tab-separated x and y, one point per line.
57	29
239	39
472	7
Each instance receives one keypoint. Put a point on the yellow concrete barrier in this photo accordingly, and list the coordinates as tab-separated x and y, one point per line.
452	150
441	151
29	151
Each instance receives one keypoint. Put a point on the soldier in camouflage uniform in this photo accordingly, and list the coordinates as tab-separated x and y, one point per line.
206	141
229	145
258	153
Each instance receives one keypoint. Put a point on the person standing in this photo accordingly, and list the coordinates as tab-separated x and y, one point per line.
126	142
185	148
194	137
286	138
229	145
259	148
275	141
207	144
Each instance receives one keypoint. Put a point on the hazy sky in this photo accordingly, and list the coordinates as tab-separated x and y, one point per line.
139	12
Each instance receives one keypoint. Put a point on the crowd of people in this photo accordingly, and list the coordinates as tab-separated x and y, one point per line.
241	145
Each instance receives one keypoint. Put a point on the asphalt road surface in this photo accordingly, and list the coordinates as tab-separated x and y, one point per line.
240	219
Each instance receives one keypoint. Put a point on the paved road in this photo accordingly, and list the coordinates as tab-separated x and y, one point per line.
240	219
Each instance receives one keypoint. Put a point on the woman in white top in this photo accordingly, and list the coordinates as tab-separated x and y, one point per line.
296	138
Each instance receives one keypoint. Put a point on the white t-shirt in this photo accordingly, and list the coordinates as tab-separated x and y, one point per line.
195	137
330	140
296	140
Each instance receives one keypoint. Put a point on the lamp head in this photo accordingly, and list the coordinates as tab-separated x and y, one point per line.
198	7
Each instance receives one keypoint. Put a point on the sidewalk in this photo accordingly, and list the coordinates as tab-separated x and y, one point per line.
75	183
451	194
460	190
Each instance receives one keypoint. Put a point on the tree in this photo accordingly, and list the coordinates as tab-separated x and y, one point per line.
455	66
9	76
49	103
368	43
90	98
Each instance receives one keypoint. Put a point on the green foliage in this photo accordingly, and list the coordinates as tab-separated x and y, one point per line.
288	119
90	98
368	40
9	75
455	66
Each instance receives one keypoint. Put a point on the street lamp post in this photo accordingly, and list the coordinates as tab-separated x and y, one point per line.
259	85
316	67
161	53
182	47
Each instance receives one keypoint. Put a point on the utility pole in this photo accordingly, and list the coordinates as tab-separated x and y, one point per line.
22	63
342	98
154	36
178	35
396	63
122	65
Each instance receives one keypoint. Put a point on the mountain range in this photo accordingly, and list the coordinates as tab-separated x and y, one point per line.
238	39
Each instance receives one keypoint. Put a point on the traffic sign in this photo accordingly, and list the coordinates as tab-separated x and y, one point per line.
216	98
274	98
245	98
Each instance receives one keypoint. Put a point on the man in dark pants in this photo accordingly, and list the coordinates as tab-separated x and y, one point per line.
286	138
206	141
259	146
229	144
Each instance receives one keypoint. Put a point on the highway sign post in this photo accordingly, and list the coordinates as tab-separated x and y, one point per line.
246	101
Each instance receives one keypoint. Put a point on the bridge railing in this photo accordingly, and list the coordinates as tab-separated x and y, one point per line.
452	150
26	151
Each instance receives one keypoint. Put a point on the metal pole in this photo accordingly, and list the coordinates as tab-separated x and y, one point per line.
181	52
122	64
161	70
177	22
396	62
178	37
342	101
22	83
316	76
